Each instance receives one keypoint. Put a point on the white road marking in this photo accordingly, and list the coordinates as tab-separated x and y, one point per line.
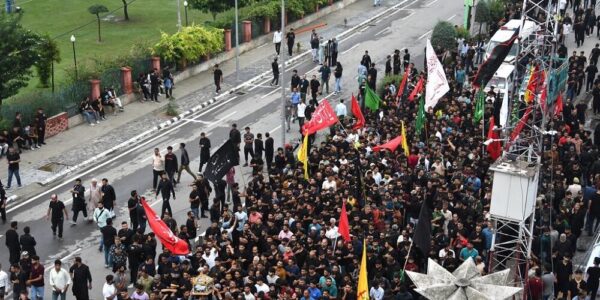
274	129
364	29
351	48
425	34
197	121
348	37
64	258
409	15
430	3
210	124
382	31
270	93
451	17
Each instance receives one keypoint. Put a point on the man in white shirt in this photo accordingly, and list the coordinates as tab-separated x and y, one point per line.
4	282
376	291
210	255
285	233
340	110
59	281
277	40
332	230
109	291
261	286
241	217
300	113
158	167
329	183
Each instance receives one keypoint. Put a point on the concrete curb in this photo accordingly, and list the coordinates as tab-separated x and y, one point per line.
205	104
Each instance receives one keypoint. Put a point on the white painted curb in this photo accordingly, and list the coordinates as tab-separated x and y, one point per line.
205	104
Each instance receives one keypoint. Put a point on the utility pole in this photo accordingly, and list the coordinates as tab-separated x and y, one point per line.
237	45
178	15
283	84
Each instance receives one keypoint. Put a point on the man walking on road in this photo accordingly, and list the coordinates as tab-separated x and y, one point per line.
185	163
204	150
12	243
28	241
132	206
269	150
82	279
248	145
171	165
275	68
325	74
36	279
3	200
277	37
56	208
165	188
109	197
59	281
258	146
13	158
158	167
78	193
290	38
101	216
108	239
218	77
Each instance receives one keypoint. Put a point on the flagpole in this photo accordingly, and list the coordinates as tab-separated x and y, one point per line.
335	243
407	255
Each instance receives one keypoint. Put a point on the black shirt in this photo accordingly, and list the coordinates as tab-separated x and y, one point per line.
13	157
218	74
194	199
56	209
108	235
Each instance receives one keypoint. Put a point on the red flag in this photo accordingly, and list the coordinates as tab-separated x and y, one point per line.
532	85
176	245
558	106
517	130
494	148
418	88
543	98
391	145
323	117
360	119
344	226
403	82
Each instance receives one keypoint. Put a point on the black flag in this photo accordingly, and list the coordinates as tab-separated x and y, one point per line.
221	162
422	234
490	66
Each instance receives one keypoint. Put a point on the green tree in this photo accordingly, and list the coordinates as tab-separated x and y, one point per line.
482	13
213	7
48	54
443	36
496	8
19	53
125	12
98	9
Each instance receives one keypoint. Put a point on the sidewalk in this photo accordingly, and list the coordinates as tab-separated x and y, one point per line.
80	143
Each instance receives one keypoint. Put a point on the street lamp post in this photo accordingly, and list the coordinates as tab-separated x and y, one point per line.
237	44
185	5
178	15
74	56
283	101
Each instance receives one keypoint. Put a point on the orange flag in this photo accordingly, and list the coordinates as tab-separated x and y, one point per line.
344	226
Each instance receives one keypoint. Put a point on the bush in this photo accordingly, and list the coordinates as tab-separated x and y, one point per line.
482	12
462	32
443	36
172	110
189	44
496	8
48	53
395	79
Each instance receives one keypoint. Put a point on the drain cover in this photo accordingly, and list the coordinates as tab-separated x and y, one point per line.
240	93
51	167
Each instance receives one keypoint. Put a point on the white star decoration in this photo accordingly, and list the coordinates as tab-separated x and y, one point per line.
465	283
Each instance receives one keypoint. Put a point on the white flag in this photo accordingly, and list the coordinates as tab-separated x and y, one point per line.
437	84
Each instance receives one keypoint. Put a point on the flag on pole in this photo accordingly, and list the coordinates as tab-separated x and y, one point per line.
372	101
437	84
225	158
344	225
303	155
360	118
323	117
532	85
488	68
404	141
402	86
418	88
558	106
422	235
420	122
164	234
391	145
479	106
495	147
363	285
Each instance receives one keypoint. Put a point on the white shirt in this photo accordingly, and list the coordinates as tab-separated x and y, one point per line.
242	218
108	290
340	110
60	279
301	108
277	37
285	235
376	293
158	163
210	259
100	216
327	185
332	233
261	288
249	296
4	280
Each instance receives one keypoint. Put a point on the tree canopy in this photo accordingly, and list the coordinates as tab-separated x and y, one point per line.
443	36
98	9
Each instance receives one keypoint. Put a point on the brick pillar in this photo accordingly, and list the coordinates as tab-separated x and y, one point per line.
330	2
126	82
156	63
94	88
266	25
247	31
227	35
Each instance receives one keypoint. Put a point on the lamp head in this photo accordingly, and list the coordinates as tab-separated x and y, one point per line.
72	39
185	3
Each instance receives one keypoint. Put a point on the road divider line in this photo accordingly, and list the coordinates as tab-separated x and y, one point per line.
425	34
351	48
451	17
64	258
382	31
274	129
271	93
430	3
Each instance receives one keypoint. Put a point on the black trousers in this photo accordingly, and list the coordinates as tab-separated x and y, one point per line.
275	79
57	224
154	93
277	47
41	134
218	84
14	255
248	150
79	208
203	161
269	160
171	174
155	176
166	205
290	48
134	221
3	214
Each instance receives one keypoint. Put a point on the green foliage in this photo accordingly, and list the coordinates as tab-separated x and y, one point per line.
269	9
496	8
443	36
48	53
295	7
462	32
395	79
214	7
19	53
172	110
482	12
97	9
190	44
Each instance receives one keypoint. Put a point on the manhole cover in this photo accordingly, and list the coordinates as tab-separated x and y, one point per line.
50	167
240	93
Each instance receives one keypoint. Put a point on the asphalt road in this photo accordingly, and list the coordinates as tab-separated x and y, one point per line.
259	107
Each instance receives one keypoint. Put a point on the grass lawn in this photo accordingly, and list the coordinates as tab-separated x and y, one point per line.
63	18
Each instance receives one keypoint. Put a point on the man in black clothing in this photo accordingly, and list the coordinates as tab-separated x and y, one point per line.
2	203
388	65
12	243
56	208
248	145
204	191
594	54
18	278
82	279
304	84
593	278
40	123
290	37
275	68
406	58
125	234
171	164
154	84
366	59
109	197
218	77
165	188
396	62
590	71
204	151
269	149
314	87
295	80
185	162
108	239
78	193
28	241
334	48
372	76
132	206
194	200
13	158
258	145
596	99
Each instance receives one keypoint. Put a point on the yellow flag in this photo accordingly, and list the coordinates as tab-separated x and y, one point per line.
303	155
404	141
363	285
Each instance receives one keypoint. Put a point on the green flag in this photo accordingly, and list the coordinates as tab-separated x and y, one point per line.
420	122
479	107
372	101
